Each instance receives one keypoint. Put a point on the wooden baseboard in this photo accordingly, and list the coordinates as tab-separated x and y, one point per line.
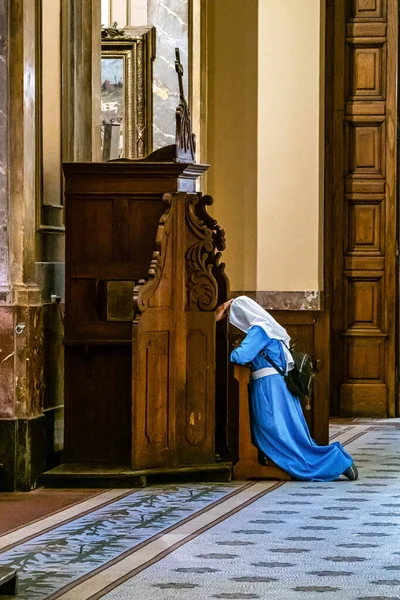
249	469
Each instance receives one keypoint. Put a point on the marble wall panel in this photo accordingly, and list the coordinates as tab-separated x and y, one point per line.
29	452
3	143
8	429
273	300
6	362
22	453
171	19
29	362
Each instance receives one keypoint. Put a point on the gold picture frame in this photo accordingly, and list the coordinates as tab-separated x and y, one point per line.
126	88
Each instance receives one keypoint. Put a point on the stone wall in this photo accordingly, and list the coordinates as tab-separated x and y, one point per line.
171	20
3	146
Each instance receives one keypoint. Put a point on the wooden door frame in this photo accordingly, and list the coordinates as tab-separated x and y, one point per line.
328	181
334	300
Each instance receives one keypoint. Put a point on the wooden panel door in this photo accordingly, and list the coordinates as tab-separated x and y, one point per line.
360	257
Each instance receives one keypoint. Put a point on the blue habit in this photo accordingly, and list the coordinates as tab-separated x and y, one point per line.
278	427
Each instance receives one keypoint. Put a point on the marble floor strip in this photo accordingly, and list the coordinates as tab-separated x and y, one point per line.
351	436
138	560
27	532
19	509
340	432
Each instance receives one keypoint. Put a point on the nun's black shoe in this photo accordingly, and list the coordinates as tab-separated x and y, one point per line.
262	459
351	472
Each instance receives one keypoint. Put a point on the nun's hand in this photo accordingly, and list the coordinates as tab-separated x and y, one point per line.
221	310
236	343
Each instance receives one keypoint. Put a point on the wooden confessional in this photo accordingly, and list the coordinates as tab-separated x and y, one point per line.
142	271
139	320
148	383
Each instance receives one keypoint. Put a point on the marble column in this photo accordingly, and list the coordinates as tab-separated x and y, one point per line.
21	329
6	337
3	146
81	85
171	20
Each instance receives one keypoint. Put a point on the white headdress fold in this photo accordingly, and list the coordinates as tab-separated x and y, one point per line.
246	313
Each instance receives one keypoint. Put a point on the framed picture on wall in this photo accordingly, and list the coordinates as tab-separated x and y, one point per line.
126	87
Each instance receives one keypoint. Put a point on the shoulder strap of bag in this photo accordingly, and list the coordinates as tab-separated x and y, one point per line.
271	362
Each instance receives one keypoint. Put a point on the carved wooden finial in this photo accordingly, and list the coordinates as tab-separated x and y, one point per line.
112	32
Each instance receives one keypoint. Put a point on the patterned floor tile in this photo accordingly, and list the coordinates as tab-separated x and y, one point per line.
302	540
57	558
341	543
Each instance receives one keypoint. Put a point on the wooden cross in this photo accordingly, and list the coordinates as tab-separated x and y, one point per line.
179	70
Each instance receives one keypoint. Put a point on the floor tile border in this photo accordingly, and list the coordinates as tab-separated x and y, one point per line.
59	593
357	436
339	433
65	521
177	545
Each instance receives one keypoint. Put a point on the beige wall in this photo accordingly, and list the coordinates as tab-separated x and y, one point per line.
265	140
288	145
232	132
198	82
124	12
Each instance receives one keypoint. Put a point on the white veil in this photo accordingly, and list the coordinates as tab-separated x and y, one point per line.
245	313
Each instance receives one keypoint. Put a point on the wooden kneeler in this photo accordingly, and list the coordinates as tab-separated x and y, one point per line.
248	466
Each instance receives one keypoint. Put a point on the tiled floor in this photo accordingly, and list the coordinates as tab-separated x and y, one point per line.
242	540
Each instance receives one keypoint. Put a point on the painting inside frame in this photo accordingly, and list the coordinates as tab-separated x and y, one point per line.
126	88
113	96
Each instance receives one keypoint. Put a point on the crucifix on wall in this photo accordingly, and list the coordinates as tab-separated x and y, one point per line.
185	139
